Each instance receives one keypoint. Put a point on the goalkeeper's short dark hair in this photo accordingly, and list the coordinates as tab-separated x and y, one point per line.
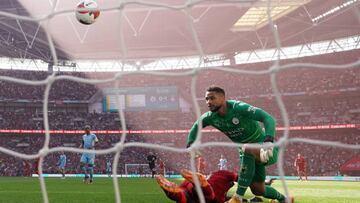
216	89
87	127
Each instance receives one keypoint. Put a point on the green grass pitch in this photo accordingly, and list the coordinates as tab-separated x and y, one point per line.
146	190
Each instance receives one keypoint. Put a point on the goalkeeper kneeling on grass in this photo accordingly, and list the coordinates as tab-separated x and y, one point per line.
239	121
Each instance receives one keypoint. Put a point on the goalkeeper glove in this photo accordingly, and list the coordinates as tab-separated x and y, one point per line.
266	153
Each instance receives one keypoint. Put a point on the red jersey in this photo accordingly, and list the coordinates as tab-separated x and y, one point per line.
161	164
162	167
221	181
26	168
300	163
36	166
201	165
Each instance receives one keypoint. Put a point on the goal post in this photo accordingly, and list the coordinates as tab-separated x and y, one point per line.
137	169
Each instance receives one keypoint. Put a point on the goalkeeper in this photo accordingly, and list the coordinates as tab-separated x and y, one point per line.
239	121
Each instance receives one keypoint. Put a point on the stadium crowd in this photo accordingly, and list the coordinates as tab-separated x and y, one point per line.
321	160
59	120
311	97
309	111
61	89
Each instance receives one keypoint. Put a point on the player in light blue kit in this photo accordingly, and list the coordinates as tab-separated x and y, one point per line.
108	168
222	163
87	159
61	164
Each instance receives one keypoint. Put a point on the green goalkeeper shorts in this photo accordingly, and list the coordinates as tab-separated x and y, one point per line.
274	158
260	172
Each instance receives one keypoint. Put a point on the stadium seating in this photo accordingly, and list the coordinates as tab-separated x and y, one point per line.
311	97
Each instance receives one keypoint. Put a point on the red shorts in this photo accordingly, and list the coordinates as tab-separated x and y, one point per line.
301	168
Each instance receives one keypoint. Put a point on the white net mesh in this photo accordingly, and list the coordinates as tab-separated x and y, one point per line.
274	69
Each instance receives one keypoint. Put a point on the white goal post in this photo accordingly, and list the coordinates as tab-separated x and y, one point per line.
138	169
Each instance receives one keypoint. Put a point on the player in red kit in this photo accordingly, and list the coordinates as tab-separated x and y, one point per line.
27	166
200	164
162	167
36	166
214	188
300	165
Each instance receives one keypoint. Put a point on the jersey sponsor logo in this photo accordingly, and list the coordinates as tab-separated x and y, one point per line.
235	121
235	132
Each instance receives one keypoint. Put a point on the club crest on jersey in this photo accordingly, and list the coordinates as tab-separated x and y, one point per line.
235	121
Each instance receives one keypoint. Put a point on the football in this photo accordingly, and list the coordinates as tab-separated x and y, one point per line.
87	12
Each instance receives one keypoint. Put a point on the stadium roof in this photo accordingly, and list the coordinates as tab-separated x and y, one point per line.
149	32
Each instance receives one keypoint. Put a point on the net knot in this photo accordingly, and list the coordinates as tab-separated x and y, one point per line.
43	152
274	68
119	146
50	79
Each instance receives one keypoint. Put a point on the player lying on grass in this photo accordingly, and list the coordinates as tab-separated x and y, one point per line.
214	188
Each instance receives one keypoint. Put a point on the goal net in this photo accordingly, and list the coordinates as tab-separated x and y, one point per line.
143	67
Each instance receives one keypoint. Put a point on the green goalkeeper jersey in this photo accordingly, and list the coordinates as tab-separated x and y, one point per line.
240	123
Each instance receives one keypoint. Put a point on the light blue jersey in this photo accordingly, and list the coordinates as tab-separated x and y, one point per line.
108	166
89	140
62	161
88	143
222	164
